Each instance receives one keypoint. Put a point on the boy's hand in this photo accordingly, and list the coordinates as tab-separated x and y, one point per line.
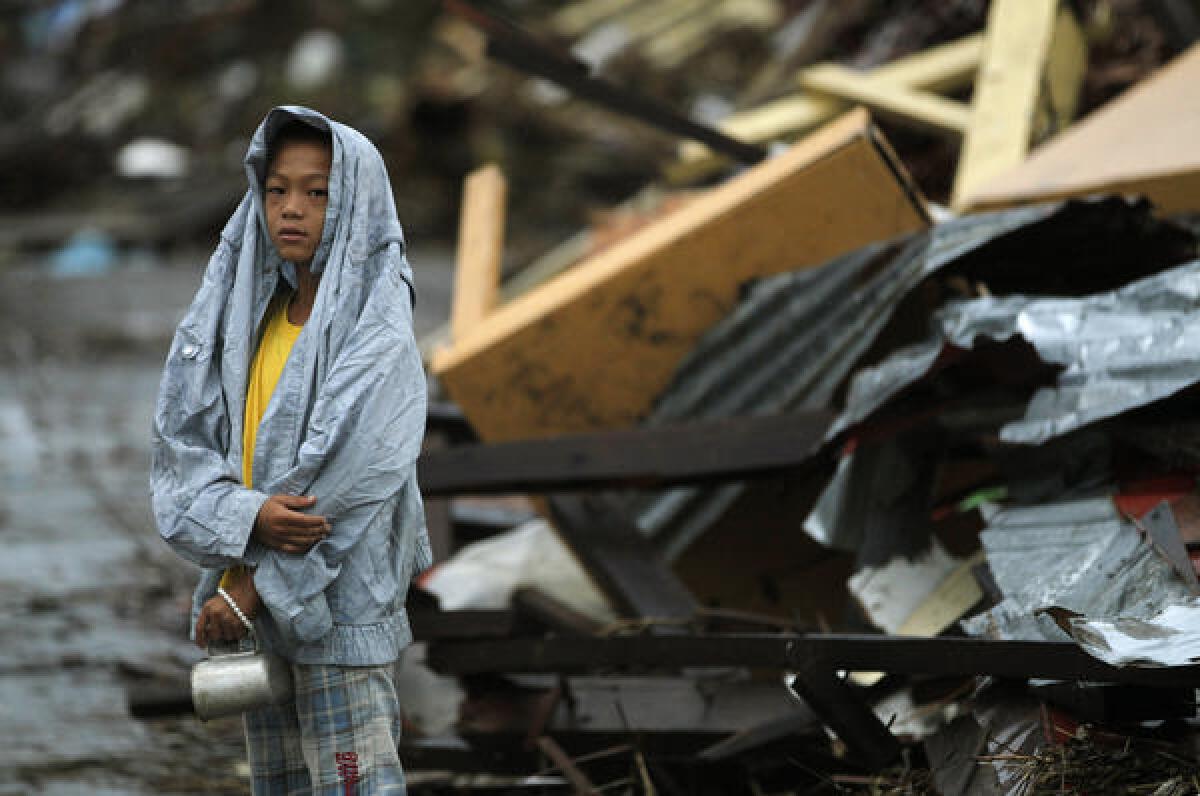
218	622
282	525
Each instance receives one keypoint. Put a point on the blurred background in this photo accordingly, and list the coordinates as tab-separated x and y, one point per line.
121	138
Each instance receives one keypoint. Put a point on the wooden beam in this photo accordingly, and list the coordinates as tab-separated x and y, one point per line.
429	624
684	453
579	782
622	561
1034	59
1051	660
1066	66
921	109
480	249
947	67
778	119
593	347
528	53
844	709
1141	142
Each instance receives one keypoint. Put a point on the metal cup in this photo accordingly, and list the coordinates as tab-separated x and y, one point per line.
236	682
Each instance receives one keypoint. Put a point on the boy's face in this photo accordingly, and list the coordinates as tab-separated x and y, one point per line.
296	194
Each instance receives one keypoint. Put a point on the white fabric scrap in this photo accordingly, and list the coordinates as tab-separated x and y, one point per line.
484	575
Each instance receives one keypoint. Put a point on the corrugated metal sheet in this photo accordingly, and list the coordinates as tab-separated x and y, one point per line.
794	340
1080	555
1119	350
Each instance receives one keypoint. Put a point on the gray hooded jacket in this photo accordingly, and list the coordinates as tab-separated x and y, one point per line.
344	424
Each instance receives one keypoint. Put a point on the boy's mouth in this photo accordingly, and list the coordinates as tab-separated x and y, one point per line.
291	234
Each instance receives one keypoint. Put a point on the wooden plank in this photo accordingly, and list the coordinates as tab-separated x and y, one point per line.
948	603
579	781
784	117
593	347
447	421
621	560
480	249
1019	61
527	53
1052	660
947	67
1066	66
685	453
429	623
1141	142
845	710
920	109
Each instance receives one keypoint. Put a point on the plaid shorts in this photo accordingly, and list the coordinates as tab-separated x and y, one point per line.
336	738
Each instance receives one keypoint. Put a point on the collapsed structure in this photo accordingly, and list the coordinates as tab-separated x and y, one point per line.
829	485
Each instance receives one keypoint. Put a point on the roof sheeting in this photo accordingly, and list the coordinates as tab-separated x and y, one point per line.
794	339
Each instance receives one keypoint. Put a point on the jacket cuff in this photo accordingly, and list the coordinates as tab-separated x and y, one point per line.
244	506
313	620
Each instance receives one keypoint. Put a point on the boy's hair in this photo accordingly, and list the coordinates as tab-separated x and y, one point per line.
296	130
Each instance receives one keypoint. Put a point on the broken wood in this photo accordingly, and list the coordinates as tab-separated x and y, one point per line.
480	249
844	709
593	347
1028	85
684	453
944	68
892	654
563	763
1142	142
923	110
621	560
525	52
431	624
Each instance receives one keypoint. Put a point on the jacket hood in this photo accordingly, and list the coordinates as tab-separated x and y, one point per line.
361	210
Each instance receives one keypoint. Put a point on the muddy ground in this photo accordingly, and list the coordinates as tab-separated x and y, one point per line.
93	606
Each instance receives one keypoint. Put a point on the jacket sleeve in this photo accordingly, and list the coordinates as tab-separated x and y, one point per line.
360	449
200	505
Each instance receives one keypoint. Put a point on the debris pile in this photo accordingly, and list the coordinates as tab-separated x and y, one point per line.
887	502
851	445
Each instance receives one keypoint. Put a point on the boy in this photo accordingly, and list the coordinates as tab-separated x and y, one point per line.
287	428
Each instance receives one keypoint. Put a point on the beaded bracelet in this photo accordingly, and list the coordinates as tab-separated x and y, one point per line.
229	600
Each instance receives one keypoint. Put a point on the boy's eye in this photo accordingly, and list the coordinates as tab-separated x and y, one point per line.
275	189
318	193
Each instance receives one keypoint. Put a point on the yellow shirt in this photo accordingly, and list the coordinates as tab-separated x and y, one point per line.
273	350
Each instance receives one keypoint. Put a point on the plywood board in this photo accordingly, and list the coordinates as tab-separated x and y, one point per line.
592	348
1142	142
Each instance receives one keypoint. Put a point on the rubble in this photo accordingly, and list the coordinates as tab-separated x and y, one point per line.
1024	367
827	489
